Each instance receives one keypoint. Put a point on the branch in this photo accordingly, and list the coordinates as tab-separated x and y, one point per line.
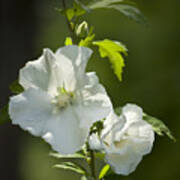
67	21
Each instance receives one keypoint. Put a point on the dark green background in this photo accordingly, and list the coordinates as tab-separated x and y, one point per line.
151	79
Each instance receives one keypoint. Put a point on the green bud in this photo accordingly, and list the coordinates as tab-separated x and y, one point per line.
82	30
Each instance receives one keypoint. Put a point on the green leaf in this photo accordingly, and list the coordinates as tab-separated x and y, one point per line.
104	171
126	7
103	3
70	13
158	126
16	88
71	166
70	156
87	41
78	9
4	115
68	41
113	50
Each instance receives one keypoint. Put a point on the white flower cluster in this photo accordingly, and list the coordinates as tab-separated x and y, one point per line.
61	101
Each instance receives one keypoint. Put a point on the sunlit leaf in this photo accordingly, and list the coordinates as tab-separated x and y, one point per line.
4	115
104	171
70	13
87	41
126	7
16	88
159	127
68	41
113	50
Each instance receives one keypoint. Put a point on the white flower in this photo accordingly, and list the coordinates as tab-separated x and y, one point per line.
126	139
60	101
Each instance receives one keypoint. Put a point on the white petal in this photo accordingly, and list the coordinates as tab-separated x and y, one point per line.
48	73
114	128
124	163
79	57
132	113
64	133
93	103
37	73
31	110
142	136
91	79
112	123
67	76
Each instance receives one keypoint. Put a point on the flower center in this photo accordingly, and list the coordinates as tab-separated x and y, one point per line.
64	98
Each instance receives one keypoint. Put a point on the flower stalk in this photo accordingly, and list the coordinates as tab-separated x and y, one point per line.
93	165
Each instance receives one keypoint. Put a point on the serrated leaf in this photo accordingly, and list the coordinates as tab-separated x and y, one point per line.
16	88
104	171
158	126
126	7
4	115
70	166
70	156
113	50
68	41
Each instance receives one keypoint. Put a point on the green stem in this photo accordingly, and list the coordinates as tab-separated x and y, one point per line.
92	165
71	30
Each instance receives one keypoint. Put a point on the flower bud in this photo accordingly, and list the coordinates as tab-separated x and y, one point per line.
82	30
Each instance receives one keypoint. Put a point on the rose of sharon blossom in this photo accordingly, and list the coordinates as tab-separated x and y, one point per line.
126	139
61	101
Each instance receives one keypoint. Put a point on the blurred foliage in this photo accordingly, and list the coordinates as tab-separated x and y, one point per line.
151	79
